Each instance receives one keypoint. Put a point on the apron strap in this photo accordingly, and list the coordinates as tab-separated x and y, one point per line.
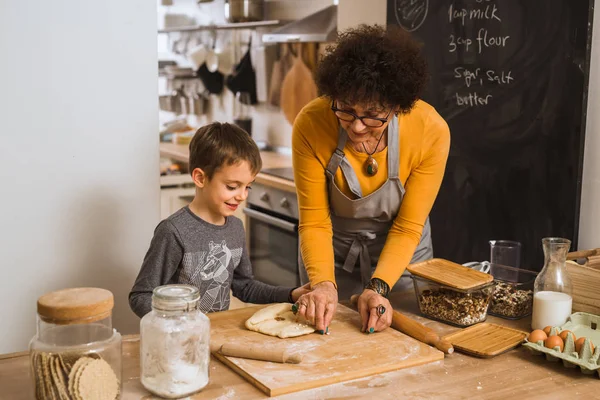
338	160
360	248
393	152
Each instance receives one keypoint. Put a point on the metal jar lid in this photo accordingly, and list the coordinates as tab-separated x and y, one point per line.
175	298
75	305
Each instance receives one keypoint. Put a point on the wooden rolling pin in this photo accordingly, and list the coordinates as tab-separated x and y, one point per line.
257	352
415	330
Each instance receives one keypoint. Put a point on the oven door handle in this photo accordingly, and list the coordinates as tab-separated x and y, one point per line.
269	219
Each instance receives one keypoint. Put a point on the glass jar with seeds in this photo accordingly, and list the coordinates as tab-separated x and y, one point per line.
76	353
174	343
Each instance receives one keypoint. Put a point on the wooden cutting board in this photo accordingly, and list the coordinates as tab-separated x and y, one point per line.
450	274
297	89
486	340
344	354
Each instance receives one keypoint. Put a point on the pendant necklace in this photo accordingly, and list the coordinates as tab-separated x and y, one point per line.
371	166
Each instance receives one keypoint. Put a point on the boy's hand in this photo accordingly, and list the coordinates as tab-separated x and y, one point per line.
296	293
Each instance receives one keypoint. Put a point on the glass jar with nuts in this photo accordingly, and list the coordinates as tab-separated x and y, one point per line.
513	294
459	307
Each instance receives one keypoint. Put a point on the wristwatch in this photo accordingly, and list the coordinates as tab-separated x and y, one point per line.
379	287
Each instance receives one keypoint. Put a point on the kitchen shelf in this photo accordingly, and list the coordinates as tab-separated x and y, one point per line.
233	25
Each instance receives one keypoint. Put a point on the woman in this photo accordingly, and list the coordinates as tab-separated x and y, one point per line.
369	158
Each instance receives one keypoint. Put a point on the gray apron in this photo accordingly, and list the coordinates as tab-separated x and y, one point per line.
361	225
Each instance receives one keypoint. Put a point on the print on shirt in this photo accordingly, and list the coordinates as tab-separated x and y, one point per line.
211	271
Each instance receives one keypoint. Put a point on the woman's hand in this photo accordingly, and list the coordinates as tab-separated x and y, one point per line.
299	291
318	306
372	320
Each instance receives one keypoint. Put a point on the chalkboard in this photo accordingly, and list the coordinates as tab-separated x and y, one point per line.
510	78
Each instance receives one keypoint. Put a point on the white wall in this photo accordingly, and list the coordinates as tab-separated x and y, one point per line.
78	153
589	221
352	13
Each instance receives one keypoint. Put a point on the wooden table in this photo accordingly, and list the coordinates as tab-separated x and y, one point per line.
513	375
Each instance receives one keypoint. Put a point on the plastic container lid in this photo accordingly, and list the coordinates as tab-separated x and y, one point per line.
75	305
450	274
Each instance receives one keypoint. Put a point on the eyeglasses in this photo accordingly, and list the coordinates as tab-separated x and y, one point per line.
371	122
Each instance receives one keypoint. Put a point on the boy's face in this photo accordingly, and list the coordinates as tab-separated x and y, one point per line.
227	189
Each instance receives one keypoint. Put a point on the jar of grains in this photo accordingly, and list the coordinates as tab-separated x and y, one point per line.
174	343
76	353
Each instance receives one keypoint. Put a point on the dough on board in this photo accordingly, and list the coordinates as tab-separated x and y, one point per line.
279	320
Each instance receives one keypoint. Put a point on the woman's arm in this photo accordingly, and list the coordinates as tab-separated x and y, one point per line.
316	235
311	187
422	187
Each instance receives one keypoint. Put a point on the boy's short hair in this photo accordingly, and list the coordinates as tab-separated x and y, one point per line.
218	144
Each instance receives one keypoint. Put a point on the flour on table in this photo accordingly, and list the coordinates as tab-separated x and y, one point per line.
279	320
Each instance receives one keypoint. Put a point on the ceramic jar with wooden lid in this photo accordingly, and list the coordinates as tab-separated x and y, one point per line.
76	353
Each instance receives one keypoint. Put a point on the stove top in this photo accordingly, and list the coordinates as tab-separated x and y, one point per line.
283	173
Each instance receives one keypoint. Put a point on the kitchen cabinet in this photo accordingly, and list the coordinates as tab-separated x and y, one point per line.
176	191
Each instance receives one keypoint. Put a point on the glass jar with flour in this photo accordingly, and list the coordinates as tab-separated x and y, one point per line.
552	290
174	343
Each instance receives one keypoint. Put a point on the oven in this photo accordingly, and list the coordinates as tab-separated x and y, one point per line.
272	232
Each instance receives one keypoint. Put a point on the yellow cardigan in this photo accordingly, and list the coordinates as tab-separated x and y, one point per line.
424	147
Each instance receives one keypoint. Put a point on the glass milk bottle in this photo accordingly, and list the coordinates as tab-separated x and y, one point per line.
174	343
552	290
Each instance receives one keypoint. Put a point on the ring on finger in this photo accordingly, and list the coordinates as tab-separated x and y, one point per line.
380	310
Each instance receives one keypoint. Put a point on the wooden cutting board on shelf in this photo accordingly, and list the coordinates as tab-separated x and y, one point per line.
343	355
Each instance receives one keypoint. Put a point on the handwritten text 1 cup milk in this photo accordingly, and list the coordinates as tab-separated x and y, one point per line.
550	308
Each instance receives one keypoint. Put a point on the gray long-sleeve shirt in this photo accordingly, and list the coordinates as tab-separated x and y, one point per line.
186	249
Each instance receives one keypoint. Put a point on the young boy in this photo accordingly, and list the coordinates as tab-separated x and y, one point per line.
203	244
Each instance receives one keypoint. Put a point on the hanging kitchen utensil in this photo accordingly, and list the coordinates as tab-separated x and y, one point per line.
176	100
212	59
197	55
261	59
243	78
212	81
298	89
226	58
164	102
280	69
199	100
309	56
184	102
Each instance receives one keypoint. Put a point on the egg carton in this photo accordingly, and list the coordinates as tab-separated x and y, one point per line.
582	325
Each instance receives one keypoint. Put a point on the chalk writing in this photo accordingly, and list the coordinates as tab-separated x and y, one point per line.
477	41
462	14
480	77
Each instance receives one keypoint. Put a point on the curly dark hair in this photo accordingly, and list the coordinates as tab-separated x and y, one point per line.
370	65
